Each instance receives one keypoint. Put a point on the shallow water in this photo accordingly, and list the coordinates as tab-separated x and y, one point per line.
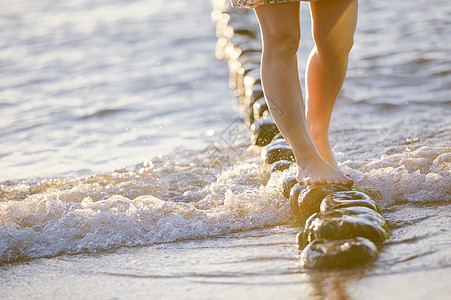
88	88
92	87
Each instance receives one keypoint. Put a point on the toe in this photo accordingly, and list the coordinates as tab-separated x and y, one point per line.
348	182
343	181
321	180
331	181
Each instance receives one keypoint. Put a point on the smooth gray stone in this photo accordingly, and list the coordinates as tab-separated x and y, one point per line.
278	142
281	165
288	184
257	91
250	56
243	39
348	199
260	107
278	136
250	99
254	74
346	223
278	150
293	197
323	254
246	32
247	101
263	131
250	67
309	200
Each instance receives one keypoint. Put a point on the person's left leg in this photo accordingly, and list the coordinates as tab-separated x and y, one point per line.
333	27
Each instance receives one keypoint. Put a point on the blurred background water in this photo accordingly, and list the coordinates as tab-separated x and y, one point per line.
95	86
118	129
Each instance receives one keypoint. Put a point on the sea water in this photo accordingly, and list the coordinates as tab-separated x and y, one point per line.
124	163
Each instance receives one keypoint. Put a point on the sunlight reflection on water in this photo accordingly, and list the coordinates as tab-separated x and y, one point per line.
66	64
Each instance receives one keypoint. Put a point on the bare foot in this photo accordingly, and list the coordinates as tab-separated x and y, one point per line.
320	172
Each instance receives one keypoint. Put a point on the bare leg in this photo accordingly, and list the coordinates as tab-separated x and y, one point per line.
333	26
279	24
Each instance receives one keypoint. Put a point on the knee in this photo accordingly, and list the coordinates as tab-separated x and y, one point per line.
336	48
282	43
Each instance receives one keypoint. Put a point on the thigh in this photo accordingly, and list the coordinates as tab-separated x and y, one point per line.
334	23
279	21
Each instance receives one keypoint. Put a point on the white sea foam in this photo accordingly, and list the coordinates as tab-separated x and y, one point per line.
71	221
91	217
423	175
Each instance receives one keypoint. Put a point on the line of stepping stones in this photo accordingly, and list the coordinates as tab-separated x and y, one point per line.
341	225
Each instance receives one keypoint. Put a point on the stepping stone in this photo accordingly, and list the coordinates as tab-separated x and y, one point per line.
320	254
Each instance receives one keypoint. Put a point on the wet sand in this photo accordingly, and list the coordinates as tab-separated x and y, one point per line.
260	263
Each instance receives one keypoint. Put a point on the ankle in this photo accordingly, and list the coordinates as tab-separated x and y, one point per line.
307	158
319	135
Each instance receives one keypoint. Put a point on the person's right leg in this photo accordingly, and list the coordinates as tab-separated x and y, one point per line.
279	24
333	27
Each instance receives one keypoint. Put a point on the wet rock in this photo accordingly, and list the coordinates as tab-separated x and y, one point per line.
280	166
252	77
348	199
252	94
253	91
263	131
245	32
236	75
276	143
251	55
250	60
257	92
244	39
322	254
346	223
294	195
309	200
260	108
287	185
278	136
275	151
300	240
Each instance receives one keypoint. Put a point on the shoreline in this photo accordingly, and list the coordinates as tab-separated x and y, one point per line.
259	263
